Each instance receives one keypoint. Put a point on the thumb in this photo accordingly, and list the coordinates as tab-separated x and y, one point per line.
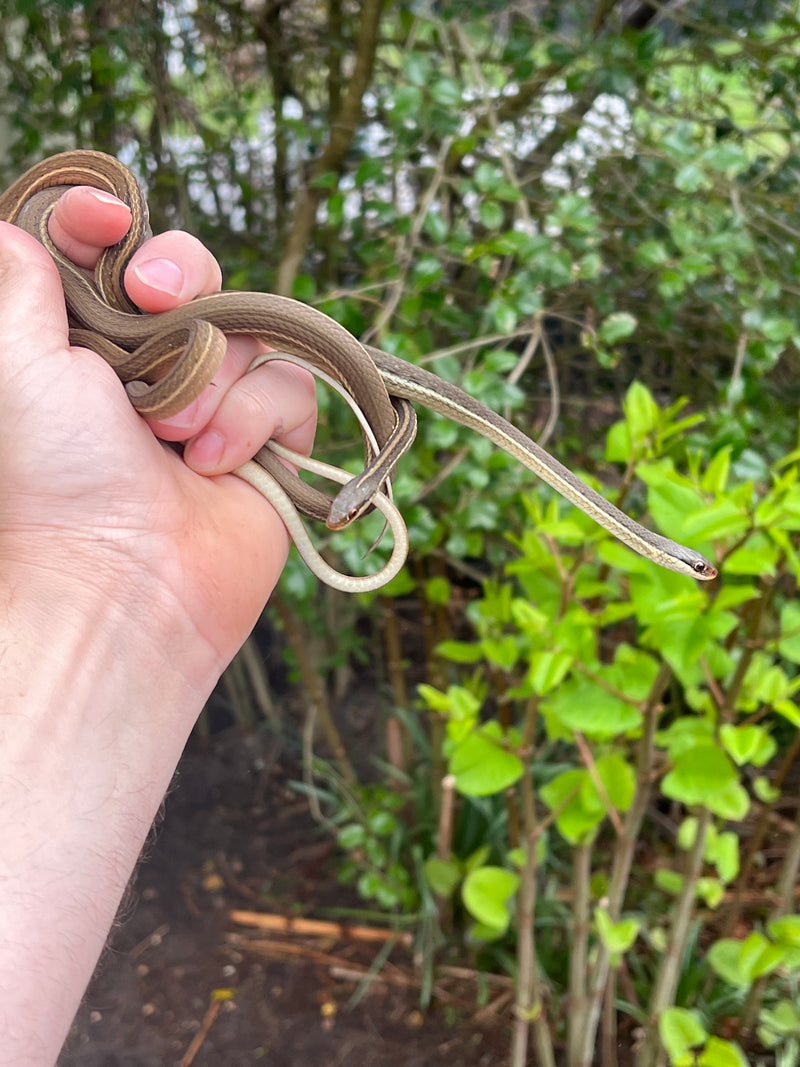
33	319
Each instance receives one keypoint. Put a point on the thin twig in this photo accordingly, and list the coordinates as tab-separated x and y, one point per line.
444	838
623	858
406	256
579	1001
199	1038
530	1007
555	391
597	781
669	971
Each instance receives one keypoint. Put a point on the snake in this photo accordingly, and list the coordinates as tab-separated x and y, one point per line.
167	359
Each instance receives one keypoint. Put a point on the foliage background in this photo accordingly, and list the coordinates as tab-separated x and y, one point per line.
546	202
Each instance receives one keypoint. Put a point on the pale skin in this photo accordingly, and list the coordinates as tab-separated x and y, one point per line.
128	583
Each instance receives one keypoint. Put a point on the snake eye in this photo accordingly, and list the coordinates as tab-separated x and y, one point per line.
704	570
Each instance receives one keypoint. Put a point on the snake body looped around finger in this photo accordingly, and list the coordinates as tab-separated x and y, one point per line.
174	355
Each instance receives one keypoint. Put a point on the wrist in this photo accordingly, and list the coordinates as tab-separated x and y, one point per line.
69	635
96	712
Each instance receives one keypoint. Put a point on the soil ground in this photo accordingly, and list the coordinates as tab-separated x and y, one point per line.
182	983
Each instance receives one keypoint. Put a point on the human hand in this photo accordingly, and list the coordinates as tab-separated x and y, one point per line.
128	582
88	490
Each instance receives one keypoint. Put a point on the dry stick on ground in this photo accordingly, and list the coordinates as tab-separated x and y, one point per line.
318	928
331	159
390	974
199	1038
669	972
623	859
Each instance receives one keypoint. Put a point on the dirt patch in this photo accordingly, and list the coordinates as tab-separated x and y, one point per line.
182	983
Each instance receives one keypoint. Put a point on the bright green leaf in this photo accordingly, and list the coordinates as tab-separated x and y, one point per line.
747	744
789	643
483	767
698	774
486	893
680	1031
721	1053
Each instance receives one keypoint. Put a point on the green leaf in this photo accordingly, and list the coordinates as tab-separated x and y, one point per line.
786	930
789	643
619	779
443	875
447	92
459	651
778	1023
616	327
477	858
789	710
692	179
724	854
417	67
351	836
482	767
582	704
722	519
501	651
684	734
438	590
721	1053
765	791
491	214
617	937
740	963
641	411
680	1031
715	478
548	670
747	744
731	802
670	881
687	833
568	794
304	288
436	227
652	253
699	774
711	891
486	893
758	557
725	155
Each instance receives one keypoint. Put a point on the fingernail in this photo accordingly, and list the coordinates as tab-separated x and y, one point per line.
206	450
106	198
184	420
161	274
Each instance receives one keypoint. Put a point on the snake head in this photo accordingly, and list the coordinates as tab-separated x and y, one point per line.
703	570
